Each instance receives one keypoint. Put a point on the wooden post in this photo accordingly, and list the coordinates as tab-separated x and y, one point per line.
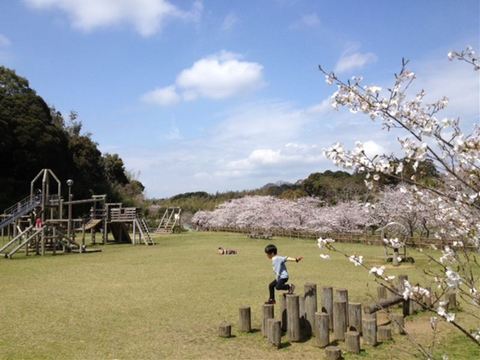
333	353
310	308
225	330
245	319
270	330
327	303
293	318
342	295
283	311
301	309
381	292
370	331
427	299
401	283
355	316
451	299
352	342
339	320
322	336
398	323
276	332
267	314
384	333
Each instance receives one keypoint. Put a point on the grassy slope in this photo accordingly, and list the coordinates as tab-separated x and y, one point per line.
166	301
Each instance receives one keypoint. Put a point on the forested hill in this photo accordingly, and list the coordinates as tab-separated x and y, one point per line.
34	136
331	187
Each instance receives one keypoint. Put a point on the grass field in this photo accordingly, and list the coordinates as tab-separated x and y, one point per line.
166	301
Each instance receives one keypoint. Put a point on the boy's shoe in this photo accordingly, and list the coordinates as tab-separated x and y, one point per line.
292	289
270	302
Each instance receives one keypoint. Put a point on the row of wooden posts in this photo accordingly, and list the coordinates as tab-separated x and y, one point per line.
336	320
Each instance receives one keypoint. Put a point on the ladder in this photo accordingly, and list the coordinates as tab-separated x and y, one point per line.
27	237
21	208
144	232
169	220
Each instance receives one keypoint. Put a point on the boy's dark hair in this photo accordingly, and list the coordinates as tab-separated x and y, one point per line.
271	249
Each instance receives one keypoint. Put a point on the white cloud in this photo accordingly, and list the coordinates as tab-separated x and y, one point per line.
147	16
164	96
352	60
4	41
229	22
218	76
373	148
306	21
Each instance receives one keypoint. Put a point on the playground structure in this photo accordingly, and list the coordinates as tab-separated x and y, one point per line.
37	222
337	320
172	218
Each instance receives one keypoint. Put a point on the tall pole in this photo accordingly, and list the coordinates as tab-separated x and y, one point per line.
69	224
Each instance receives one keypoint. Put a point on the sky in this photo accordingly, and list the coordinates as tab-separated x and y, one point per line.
212	95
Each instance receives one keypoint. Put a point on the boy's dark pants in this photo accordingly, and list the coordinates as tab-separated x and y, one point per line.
279	284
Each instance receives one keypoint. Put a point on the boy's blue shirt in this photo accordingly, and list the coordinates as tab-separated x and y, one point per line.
280	267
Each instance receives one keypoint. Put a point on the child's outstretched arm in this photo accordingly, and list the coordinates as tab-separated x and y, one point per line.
296	259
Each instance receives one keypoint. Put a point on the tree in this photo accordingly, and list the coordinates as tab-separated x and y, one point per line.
455	194
30	138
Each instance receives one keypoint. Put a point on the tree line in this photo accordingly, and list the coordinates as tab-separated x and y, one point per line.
35	135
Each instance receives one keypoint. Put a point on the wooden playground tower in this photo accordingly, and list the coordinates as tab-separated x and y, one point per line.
37	222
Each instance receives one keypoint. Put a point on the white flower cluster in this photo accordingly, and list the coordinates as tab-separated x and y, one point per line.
411	291
452	279
443	313
448	256
378	271
322	243
357	260
393	243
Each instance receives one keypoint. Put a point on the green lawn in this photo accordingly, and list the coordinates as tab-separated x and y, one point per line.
166	301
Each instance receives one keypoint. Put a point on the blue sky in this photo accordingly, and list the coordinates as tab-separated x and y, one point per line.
222	95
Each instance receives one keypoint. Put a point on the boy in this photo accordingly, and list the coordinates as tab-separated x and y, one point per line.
280	270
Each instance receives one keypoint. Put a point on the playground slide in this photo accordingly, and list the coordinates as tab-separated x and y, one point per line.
120	232
92	223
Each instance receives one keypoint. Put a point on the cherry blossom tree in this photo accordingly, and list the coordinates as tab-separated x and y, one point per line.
456	195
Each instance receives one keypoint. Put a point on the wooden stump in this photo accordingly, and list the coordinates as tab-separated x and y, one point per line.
427	299
245	319
370	331
384	333
270	330
342	295
333	353
339	320
327	303
398	323
293	319
352	341
301	309
225	330
322	337
401	283
267	314
310	308
381	292
451	299
355	317
283	311
275	332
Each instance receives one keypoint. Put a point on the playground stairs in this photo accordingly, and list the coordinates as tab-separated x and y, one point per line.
21	208
23	239
169	220
144	232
